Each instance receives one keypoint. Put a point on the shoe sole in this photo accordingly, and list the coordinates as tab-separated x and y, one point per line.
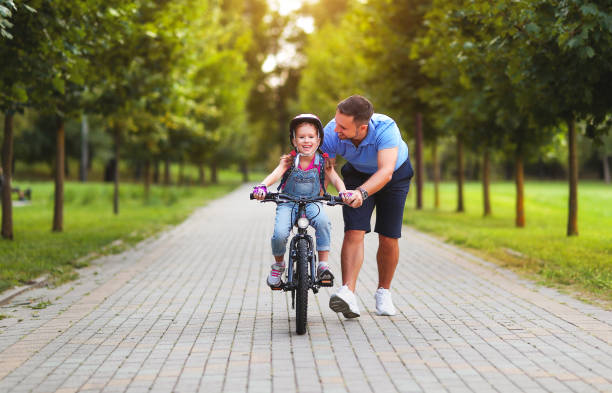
327	275
275	287
337	304
385	314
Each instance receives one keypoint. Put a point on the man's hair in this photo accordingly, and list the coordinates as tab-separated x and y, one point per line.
357	106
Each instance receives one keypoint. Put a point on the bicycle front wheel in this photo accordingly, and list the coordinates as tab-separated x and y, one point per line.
301	309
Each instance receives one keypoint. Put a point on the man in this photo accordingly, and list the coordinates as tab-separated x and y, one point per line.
378	173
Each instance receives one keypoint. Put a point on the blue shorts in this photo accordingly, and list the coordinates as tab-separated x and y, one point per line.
389	202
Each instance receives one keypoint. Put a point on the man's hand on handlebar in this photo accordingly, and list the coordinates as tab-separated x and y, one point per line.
352	198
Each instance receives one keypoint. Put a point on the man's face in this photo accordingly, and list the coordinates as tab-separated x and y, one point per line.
345	126
347	129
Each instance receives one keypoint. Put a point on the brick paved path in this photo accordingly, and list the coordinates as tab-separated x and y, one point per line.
190	311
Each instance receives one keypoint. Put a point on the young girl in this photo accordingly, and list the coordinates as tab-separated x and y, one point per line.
306	135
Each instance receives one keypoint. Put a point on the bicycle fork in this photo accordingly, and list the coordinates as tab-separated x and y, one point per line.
290	285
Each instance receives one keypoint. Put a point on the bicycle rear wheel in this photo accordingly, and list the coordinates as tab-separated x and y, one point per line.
301	309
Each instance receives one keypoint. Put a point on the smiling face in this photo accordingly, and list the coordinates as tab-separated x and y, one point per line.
306	139
347	129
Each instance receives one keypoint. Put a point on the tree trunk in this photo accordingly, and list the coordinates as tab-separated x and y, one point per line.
156	172
166	172
486	181
84	148
606	168
202	174
244	169
147	180
58	210
436	174
181	179
7	171
117	137
213	173
460	176
418	140
572	219
520	201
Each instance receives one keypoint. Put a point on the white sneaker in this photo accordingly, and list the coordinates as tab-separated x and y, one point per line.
384	304
344	301
274	278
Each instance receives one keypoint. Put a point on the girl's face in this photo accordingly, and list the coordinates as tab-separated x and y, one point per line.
306	139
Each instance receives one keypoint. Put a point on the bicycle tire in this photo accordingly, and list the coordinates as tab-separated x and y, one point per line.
301	309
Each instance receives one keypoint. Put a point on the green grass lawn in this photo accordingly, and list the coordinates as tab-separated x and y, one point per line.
90	225
582	263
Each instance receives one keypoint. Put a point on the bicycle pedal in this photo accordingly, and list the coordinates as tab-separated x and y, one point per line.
326	283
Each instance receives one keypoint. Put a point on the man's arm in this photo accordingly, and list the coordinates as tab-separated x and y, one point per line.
386	166
330	163
331	176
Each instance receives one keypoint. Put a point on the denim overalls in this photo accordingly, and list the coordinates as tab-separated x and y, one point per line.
301	183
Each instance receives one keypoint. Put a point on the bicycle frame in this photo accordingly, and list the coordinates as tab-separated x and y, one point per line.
301	234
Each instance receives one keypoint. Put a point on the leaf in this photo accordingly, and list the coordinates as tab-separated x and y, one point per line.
5	12
20	94
574	42
27	7
589	9
59	84
607	22
532	28
590	52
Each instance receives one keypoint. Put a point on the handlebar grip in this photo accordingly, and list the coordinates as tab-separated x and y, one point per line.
269	196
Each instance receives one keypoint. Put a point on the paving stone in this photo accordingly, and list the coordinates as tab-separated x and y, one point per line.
189	310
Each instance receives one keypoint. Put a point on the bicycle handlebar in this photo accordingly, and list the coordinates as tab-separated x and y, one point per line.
280	197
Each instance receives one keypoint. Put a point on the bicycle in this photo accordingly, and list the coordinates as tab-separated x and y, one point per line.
301	269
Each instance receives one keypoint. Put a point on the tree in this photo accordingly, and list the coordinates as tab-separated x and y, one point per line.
561	68
78	29
18	52
396	77
336	67
468	53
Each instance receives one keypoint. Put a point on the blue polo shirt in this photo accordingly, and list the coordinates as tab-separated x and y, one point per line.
383	133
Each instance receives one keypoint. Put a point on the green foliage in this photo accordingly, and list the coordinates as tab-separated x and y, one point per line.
146	69
7	9
336	67
391	30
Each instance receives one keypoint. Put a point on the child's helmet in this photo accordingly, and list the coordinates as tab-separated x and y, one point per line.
306	118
